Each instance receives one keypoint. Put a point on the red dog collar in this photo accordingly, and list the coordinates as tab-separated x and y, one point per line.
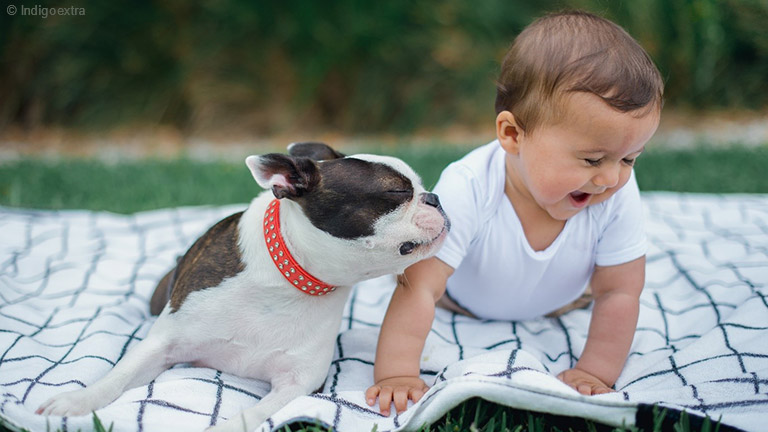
284	261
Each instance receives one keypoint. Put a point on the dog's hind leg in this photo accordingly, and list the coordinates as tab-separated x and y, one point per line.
141	364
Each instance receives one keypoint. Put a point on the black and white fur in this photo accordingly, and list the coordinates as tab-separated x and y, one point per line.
345	219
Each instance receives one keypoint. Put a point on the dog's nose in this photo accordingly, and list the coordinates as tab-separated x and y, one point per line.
430	199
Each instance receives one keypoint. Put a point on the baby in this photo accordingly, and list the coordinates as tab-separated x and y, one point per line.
549	208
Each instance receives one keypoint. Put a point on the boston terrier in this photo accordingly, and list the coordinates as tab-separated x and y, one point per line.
261	294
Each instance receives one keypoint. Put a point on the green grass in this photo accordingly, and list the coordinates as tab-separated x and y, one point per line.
143	185
148	184
478	415
98	426
123	188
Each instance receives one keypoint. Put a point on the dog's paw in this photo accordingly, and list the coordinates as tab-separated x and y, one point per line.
74	403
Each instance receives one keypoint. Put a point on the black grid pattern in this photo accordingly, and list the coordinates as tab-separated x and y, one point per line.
74	288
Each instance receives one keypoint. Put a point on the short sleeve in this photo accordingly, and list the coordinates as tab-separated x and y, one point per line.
623	237
459	193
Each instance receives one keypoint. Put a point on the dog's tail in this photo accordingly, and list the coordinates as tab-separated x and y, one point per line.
162	292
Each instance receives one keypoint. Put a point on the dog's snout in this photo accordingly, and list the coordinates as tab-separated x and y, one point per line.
430	199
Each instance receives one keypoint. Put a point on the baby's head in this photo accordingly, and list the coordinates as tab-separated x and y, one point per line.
575	52
577	101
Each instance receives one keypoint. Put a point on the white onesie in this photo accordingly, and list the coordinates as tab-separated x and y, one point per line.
497	273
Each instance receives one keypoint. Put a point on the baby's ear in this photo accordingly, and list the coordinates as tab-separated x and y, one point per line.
508	132
286	176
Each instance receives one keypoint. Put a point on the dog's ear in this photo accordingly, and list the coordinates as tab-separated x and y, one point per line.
286	176
314	150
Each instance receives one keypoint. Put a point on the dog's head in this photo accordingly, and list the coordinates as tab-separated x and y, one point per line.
373	206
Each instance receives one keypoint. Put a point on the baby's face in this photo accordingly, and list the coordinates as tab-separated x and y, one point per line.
583	159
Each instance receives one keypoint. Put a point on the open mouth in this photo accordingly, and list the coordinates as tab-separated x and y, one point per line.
579	199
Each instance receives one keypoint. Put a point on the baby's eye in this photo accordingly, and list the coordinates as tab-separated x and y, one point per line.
629	162
593	162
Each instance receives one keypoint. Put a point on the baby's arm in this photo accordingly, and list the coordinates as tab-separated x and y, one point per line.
403	332
616	290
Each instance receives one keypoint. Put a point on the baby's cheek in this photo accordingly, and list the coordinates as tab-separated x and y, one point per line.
550	193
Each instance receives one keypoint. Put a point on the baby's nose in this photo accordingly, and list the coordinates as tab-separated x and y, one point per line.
608	177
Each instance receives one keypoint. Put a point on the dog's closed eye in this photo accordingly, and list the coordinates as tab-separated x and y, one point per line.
402	192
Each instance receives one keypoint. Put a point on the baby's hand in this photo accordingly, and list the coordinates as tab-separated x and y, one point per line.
397	390
584	382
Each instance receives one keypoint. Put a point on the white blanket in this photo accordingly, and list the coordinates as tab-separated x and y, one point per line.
74	289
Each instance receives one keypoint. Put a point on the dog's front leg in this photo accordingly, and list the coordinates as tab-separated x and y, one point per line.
285	388
141	364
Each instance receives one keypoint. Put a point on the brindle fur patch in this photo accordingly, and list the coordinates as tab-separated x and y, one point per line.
212	258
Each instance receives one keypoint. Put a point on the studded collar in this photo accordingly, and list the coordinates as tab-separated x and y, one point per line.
284	261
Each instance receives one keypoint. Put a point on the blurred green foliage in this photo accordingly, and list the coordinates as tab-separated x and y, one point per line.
350	65
132	186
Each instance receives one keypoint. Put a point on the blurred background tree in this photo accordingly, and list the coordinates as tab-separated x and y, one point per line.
354	66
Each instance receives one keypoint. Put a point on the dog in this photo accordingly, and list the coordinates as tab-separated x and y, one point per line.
261	293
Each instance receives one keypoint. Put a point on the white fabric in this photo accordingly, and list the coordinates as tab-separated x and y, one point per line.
497	273
75	287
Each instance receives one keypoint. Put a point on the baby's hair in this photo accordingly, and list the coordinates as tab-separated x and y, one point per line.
575	51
